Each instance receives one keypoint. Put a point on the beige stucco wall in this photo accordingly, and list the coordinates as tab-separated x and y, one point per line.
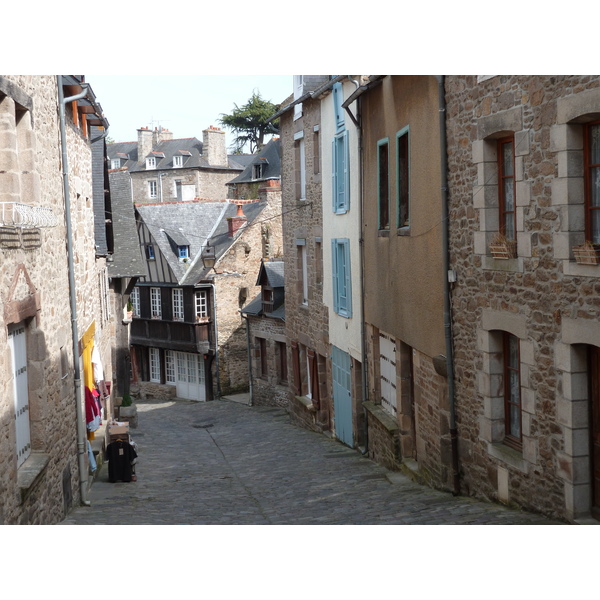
343	332
403	273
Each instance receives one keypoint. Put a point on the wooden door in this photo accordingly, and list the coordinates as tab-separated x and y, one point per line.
342	395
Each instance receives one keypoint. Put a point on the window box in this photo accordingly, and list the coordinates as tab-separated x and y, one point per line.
503	248
587	254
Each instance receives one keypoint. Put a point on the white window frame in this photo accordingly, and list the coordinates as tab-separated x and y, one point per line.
154	361
155	303
177	161
17	341
301	245
170	373
201	304
183	252
177	296
298	88
152	189
115	163
151	162
134	297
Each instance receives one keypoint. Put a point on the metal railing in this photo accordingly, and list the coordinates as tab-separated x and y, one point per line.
16	214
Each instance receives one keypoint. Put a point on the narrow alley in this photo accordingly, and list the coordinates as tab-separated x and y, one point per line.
226	463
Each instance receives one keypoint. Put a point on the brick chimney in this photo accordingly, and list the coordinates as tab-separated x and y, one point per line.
236	222
144	143
213	150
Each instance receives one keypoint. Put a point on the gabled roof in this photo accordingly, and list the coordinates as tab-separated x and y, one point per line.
190	149
196	222
269	157
271	274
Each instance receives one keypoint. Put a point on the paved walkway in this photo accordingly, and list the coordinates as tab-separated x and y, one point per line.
226	463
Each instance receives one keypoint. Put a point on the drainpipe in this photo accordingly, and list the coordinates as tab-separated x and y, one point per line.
214	295
356	121
249	358
446	270
81	431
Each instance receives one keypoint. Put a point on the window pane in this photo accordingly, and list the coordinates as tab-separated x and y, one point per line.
403	180
595	186
595	144
507	159
384	209
515	421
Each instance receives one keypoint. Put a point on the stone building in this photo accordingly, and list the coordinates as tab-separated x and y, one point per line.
57	303
267	343
188	337
264	169
306	314
164	169
409	418
342	267
523	162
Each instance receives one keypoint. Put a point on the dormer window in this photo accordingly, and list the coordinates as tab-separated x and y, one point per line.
183	252
115	163
267	300
151	162
257	171
177	161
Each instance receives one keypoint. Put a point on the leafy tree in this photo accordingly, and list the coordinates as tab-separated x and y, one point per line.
249	123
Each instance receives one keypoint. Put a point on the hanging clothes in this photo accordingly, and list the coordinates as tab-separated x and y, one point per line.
92	412
92	458
121	457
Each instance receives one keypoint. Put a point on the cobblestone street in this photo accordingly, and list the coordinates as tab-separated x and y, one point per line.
226	463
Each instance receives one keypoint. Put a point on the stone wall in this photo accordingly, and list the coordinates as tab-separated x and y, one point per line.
34	282
542	296
267	389
235	283
307	323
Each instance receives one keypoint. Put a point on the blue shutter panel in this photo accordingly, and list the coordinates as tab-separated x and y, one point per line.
334	273
334	182
348	279
346	171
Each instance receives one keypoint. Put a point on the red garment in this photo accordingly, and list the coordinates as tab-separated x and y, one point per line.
91	408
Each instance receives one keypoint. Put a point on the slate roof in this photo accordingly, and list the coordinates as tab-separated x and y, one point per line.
197	222
269	157
190	149
127	258
271	273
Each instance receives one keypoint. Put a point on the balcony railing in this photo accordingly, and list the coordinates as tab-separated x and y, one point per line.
175	335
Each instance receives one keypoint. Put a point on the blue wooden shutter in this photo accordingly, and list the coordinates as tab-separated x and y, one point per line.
346	172
347	277
334	270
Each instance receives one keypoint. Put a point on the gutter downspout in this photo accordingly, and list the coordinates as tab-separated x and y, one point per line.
214	289
356	121
81	432
251	401
446	271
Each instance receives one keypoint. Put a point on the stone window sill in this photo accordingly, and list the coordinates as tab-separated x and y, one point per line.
576	270
308	403
30	471
512	265
377	412
508	456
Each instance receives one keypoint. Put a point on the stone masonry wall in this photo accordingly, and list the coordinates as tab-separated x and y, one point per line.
235	282
306	324
537	295
36	179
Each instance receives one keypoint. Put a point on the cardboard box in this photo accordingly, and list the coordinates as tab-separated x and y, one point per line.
119	429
